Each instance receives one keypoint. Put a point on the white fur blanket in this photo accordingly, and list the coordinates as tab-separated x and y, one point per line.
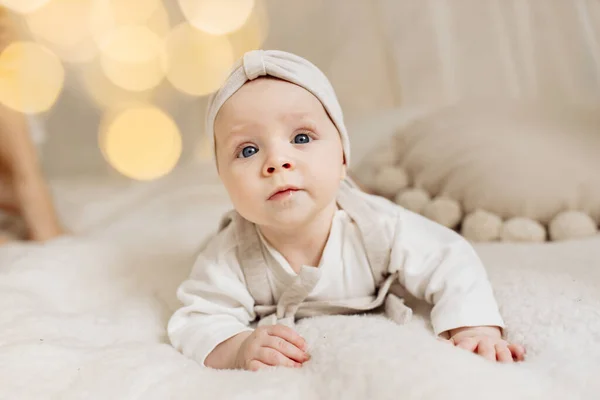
84	317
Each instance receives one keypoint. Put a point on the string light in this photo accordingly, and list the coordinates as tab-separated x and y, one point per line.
104	92
73	40
142	142
217	17
23	6
31	77
253	33
131	58
196	62
110	15
122	50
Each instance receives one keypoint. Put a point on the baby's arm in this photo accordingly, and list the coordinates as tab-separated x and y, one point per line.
216	306
441	267
212	326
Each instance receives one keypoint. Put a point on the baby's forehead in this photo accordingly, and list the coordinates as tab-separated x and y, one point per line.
269	97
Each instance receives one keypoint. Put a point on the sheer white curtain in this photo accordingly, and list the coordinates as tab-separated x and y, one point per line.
448	50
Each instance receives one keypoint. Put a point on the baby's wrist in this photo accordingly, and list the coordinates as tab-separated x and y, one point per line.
483	330
226	354
237	360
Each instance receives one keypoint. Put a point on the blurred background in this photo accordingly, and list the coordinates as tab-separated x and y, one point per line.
118	87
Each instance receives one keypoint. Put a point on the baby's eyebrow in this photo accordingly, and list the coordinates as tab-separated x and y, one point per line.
243	127
304	118
246	128
296	116
239	130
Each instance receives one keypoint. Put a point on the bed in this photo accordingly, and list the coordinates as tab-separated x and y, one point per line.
85	316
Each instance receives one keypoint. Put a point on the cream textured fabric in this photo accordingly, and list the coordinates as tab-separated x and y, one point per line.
535	167
285	66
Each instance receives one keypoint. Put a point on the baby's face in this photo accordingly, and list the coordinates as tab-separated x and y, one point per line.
271	136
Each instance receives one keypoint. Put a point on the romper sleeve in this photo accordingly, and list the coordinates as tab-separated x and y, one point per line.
216	305
440	266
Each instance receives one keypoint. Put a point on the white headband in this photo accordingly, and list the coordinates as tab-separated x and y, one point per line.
288	67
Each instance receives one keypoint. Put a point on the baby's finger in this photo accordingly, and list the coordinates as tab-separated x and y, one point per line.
518	351
274	358
468	344
503	354
287	349
287	334
256	365
486	349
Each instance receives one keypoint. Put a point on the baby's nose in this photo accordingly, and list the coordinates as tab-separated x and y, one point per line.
273	167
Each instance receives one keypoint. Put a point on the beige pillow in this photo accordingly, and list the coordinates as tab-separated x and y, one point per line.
492	170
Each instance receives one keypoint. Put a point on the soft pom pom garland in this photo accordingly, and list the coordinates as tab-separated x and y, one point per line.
393	182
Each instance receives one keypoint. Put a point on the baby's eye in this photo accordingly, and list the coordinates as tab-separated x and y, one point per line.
247	151
301	138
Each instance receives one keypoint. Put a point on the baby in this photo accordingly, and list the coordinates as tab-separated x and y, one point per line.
304	241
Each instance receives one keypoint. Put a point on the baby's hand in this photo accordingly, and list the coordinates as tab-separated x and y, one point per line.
487	341
275	345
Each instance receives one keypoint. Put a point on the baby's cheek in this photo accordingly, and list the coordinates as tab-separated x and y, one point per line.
329	176
248	199
245	194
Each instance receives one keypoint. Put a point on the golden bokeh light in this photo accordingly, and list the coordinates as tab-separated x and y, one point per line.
109	15
31	77
253	33
142	143
132	58
64	26
104	92
197	63
23	6
83	51
74	29
217	17
133	11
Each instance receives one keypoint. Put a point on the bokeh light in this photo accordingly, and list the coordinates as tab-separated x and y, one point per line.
104	92
23	6
109	15
74	29
64	26
133	11
253	33
132	58
197	63
31	77
141	142
129	59
217	17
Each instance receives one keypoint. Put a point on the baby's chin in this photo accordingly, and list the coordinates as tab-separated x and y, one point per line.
285	214
287	221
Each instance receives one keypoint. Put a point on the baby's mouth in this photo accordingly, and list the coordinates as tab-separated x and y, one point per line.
283	193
